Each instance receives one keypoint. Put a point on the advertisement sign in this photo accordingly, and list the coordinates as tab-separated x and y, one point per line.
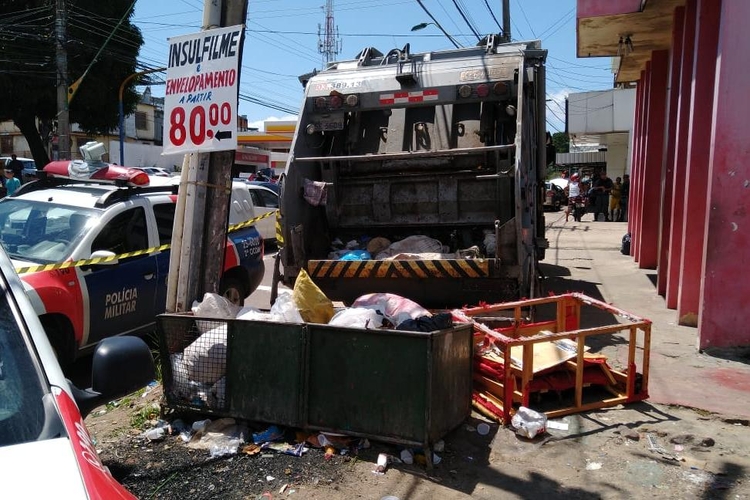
200	105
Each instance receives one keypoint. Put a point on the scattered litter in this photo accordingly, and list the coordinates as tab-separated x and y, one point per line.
283	488
528	423
156	434
678	447
593	466
558	425
381	465
654	446
273	433
251	449
390	497
407	457
149	388
270	478
483	429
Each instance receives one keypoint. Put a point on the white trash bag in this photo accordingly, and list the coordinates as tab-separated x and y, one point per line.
528	423
357	317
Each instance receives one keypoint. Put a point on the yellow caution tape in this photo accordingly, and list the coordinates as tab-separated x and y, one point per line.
104	260
279	232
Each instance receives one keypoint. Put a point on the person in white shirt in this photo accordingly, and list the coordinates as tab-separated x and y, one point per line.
573	190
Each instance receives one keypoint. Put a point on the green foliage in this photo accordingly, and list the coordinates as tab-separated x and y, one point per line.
561	142
28	76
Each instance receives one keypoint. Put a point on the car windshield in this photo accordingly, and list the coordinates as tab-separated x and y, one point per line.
42	232
23	411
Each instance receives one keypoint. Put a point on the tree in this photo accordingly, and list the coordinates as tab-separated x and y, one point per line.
28	75
561	142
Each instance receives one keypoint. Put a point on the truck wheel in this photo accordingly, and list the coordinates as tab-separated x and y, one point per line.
233	290
61	338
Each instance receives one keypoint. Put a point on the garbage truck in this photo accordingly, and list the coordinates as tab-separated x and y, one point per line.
419	174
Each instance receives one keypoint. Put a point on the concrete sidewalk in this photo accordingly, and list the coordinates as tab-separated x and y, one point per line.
585	257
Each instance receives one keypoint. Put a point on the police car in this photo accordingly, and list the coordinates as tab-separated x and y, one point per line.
59	219
45	449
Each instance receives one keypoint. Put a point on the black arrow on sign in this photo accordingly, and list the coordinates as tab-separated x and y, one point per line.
225	134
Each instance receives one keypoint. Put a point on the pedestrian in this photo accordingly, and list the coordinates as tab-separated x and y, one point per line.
15	165
624	195
602	187
11	183
614	200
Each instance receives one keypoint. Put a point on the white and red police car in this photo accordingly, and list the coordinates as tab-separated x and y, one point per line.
45	449
74	215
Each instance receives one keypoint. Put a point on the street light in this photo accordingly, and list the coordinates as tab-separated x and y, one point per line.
122	112
422	26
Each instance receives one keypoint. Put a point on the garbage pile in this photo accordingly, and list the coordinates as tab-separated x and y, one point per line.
227	436
199	371
415	247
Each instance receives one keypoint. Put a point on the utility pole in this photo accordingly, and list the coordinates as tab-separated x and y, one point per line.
202	213
63	115
506	20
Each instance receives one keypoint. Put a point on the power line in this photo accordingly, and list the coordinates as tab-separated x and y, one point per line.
486	2
463	15
438	24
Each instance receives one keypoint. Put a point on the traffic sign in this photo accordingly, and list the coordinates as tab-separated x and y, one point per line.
200	106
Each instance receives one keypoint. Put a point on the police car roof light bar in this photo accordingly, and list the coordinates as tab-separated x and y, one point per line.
97	172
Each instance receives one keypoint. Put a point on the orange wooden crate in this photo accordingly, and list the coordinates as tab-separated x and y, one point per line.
514	386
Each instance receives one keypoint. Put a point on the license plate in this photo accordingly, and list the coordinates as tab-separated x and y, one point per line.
330	124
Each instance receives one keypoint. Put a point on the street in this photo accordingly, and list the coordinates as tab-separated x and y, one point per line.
688	440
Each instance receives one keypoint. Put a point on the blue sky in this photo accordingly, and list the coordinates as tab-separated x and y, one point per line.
281	41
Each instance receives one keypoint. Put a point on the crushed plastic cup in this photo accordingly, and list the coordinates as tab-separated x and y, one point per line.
155	434
483	429
382	464
200	425
407	457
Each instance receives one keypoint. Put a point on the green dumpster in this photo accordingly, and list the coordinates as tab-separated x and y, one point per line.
403	387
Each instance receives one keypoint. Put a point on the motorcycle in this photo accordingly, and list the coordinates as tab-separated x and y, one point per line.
577	205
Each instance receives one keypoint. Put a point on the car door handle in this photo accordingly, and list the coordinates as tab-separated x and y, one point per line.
148	276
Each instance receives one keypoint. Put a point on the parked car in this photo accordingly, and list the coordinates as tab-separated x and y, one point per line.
156	171
41	412
273	186
29	167
554	196
264	200
58	219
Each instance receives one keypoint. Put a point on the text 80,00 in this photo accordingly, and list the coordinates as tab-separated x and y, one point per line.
195	126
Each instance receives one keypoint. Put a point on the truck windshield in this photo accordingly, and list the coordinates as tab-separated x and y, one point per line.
42	232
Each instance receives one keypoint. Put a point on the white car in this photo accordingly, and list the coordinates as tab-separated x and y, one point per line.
264	200
41	413
155	171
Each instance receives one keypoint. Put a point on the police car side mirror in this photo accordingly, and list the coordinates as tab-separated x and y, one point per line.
120	366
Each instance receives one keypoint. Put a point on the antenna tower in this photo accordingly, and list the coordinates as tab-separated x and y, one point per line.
330	44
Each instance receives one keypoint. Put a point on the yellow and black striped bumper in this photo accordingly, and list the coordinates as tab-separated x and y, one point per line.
415	269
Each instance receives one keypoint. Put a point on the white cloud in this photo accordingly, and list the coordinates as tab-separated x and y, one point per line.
260	123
